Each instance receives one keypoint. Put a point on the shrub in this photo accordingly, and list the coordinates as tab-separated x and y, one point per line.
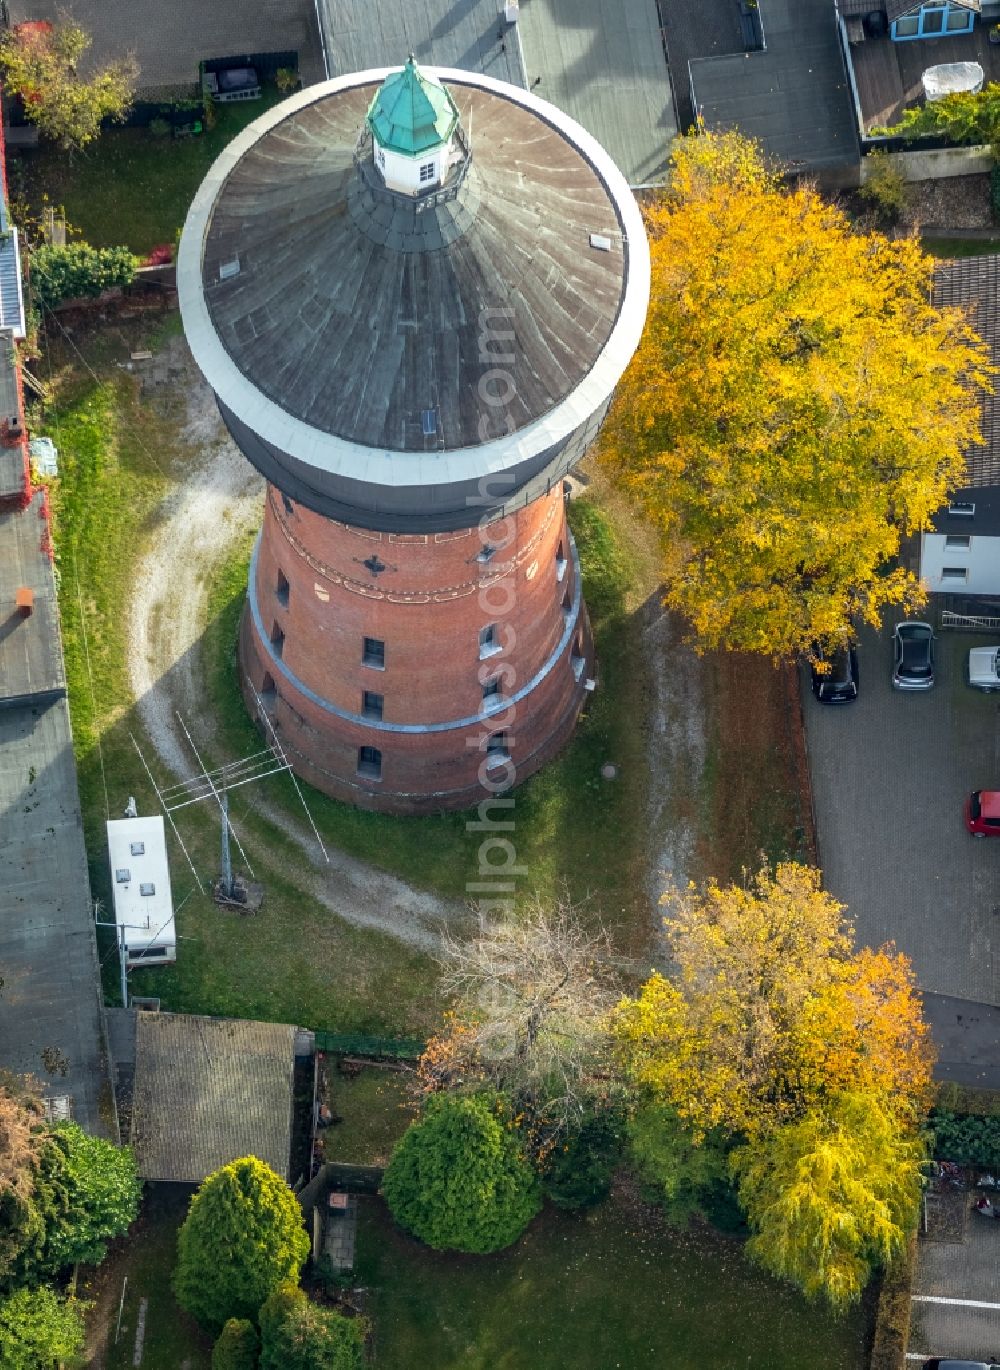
159	128
884	187
237	1346
579	1171
299	1335
241	1240
459	1179
995	192
99	1188
78	270
967	1139
38	1330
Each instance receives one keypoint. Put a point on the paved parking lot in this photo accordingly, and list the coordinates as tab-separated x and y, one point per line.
890	773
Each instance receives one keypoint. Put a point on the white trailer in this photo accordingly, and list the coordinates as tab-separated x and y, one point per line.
140	875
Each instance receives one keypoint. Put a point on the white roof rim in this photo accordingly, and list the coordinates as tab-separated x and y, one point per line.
384	466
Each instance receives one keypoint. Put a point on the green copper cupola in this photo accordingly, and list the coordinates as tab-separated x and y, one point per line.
413	120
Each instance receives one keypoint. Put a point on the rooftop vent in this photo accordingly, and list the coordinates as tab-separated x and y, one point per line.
229	269
600	242
429	422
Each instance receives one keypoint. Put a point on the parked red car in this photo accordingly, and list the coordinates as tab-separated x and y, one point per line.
982	813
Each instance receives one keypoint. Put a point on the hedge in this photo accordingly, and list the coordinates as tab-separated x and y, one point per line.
78	270
892	1320
967	1139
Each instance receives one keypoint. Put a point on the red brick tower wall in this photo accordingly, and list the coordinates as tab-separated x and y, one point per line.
320	588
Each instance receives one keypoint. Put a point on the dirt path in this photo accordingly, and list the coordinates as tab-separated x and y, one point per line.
219	499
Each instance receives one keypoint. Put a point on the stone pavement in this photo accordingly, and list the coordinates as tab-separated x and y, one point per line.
967	1272
890	774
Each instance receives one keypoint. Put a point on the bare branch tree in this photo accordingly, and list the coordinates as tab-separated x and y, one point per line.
531	999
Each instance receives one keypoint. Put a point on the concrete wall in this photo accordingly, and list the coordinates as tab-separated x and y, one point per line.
937	164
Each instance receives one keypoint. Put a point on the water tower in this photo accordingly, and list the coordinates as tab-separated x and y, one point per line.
413	293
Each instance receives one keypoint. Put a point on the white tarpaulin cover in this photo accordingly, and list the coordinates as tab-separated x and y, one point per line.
952	78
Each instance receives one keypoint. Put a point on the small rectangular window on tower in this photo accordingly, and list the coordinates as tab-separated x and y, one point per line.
277	641
497	751
281	590
426	173
370	763
560	563
373	653
488	644
491	691
372	704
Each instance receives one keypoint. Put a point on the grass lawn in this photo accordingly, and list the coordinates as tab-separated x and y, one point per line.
593	1292
128	187
374	1110
960	247
171	1339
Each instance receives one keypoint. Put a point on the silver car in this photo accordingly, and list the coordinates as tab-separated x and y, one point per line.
984	668
913	656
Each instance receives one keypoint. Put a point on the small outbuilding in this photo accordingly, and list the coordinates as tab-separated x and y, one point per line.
208	1091
140	875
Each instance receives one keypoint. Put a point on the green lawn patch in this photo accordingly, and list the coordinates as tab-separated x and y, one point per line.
171	1338
961	247
129	187
593	1292
373	1108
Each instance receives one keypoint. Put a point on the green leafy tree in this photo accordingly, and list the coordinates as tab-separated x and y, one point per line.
964	117
242	1238
100	1186
458	1179
580	1167
78	271
237	1347
685	1172
40	1331
299	1335
41	63
831	1197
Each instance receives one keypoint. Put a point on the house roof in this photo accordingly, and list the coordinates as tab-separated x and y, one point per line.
895	9
412	113
208	1091
793	97
973	283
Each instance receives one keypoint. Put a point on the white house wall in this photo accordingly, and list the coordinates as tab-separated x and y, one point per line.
980	561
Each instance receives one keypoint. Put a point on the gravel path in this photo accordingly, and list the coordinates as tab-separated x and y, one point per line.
217	501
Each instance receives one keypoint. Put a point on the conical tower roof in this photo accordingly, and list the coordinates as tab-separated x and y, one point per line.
412	113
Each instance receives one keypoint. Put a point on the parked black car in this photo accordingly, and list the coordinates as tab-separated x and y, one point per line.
913	656
839	683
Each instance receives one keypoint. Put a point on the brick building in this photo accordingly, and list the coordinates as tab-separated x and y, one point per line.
413	294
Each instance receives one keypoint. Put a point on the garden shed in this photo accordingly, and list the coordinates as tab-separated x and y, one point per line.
208	1091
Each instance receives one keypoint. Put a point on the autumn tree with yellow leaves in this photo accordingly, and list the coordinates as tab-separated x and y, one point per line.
796	406
811	1059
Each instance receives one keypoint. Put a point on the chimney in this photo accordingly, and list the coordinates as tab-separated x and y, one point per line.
24	601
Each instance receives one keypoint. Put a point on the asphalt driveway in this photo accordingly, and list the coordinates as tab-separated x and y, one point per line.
890	773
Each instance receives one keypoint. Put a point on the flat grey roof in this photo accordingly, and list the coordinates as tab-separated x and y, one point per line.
169	40
794	96
31	665
602	61
208	1091
472	34
50	1007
